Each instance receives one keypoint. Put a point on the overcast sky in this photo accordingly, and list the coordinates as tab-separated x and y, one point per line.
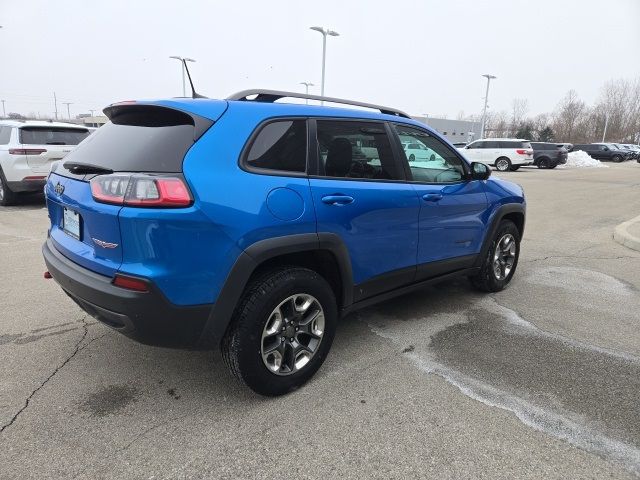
420	56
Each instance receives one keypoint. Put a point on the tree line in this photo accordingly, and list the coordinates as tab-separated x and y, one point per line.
573	121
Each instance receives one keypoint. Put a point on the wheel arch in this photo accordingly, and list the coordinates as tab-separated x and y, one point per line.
514	212
324	253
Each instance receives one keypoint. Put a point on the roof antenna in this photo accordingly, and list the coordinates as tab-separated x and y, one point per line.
193	90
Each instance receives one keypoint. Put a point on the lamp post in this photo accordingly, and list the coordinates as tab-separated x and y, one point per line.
180	59
68	109
606	124
486	101
306	90
324	32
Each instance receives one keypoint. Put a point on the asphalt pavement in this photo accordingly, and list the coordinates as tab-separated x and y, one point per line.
541	380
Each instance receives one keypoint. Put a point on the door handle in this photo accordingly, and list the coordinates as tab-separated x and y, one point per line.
432	197
337	199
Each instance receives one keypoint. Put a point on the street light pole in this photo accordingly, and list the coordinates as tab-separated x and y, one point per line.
486	101
180	59
606	124
307	85
324	32
68	109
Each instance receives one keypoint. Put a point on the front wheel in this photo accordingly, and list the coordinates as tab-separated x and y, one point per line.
501	260
7	197
503	164
282	330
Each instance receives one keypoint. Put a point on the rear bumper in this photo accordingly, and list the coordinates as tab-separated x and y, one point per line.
147	317
36	185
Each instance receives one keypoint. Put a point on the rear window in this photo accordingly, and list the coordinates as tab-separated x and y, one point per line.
545	146
141	138
52	135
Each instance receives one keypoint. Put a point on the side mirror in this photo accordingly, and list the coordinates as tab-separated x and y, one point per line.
480	171
606	149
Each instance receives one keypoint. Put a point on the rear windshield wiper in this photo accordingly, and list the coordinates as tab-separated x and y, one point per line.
82	168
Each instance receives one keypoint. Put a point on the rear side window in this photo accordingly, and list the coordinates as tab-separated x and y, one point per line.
354	149
52	135
491	144
280	145
5	135
545	146
141	138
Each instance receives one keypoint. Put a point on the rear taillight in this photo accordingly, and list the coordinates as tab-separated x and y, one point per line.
27	151
522	151
141	191
130	283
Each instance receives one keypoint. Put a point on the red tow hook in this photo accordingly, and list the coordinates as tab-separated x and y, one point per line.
47	275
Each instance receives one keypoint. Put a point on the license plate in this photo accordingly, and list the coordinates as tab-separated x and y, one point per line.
71	223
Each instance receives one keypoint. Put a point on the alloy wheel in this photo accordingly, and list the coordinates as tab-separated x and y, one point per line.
502	165
292	334
504	256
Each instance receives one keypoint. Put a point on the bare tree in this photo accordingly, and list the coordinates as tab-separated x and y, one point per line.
519	109
568	114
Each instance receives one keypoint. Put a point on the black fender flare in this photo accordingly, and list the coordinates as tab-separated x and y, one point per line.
498	215
258	253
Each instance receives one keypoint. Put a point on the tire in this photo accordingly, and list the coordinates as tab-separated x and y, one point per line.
543	163
412	157
487	279
514	168
616	158
551	167
7	197
503	164
246	345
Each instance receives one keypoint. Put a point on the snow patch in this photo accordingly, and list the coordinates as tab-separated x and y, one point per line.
580	159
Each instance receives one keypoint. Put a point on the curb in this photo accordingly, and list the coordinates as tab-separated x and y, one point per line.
623	237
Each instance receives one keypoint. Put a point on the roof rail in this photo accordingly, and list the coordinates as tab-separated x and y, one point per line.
270	96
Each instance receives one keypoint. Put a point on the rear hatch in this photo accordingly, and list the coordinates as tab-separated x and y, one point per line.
45	144
122	162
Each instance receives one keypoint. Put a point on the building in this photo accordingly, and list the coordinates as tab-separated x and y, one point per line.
87	120
456	131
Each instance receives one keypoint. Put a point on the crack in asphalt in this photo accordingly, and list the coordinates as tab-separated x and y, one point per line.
77	348
542	259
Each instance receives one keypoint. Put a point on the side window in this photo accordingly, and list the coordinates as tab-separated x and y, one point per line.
357	149
5	135
435	162
492	144
280	145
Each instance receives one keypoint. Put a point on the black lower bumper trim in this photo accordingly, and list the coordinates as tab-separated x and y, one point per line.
147	317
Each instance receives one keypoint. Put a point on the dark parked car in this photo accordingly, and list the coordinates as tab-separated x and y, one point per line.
549	155
601	151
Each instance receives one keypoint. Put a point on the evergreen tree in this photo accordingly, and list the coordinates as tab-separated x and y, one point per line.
546	135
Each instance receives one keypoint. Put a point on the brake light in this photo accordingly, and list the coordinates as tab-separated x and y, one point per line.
522	151
141	191
27	151
130	283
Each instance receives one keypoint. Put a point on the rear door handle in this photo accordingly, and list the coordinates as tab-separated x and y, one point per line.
432	197
337	199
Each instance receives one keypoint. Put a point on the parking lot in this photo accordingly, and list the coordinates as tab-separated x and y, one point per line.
539	380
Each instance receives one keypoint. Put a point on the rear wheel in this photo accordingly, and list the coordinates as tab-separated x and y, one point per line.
543	163
7	197
412	157
501	260
282	330
503	164
616	158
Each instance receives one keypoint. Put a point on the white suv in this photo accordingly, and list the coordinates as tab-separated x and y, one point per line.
503	153
27	150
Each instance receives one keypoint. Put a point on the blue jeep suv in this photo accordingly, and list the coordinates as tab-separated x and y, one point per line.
254	225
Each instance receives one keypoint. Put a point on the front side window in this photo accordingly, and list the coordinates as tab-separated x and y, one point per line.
434	162
354	149
280	145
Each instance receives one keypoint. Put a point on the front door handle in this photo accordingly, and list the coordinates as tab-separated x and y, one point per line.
432	197
337	199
